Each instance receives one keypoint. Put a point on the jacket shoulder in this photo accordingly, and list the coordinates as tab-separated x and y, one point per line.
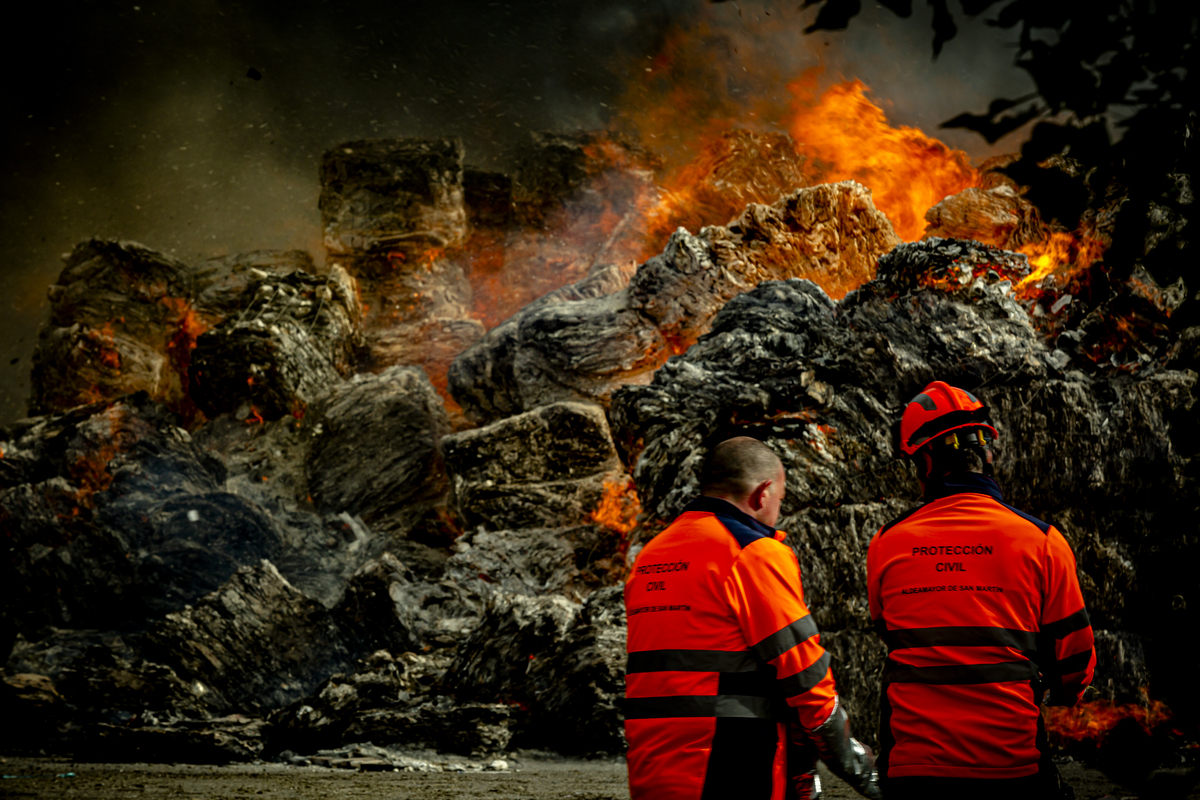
1041	525
889	525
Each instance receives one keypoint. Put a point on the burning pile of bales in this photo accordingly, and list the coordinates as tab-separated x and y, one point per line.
304	507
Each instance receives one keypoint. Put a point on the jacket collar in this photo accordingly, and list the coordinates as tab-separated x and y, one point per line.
723	508
963	482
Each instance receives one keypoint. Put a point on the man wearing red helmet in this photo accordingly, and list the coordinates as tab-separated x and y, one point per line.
980	609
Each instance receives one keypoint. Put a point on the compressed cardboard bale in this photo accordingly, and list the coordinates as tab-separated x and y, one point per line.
295	339
120	322
393	422
253	645
378	193
544	468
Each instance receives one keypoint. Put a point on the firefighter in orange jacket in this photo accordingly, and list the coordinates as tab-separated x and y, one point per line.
980	609
726	673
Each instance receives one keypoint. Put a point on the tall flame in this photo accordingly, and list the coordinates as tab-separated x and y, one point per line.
849	138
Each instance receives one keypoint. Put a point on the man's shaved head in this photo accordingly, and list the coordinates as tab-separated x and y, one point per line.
736	466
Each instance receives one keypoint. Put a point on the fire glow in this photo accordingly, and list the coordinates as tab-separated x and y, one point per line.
619	508
722	164
1091	721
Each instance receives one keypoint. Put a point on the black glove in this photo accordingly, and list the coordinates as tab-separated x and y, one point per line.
846	757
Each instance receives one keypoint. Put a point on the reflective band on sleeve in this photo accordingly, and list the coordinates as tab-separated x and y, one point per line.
1067	625
786	638
1074	663
729	705
805	679
960	673
960	636
691	661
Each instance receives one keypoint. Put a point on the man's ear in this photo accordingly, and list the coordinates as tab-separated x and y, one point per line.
756	498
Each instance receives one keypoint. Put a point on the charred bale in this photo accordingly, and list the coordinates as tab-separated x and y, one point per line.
557	175
111	682
482	378
560	666
999	217
391	209
534	561
295	339
231	739
222	283
379	684
115	517
120	322
393	422
124	318
735	169
388	606
575	688
544	468
379	192
370	616
492	664
253	645
387	701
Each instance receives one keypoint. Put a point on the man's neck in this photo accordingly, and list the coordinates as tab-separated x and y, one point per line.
740	504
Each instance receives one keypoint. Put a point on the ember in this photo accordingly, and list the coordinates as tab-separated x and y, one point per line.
619	508
1063	255
1091	721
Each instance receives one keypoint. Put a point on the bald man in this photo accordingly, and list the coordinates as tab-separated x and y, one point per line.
726	673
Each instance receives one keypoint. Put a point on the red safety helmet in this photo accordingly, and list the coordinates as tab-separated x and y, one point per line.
938	410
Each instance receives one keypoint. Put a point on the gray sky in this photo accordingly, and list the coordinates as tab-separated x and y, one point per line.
138	120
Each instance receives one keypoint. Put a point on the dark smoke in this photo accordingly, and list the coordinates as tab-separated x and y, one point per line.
196	127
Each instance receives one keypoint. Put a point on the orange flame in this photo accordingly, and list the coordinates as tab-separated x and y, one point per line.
1091	721
1063	253
619	508
848	138
187	329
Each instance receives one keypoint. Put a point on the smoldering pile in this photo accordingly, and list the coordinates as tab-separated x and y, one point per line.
263	532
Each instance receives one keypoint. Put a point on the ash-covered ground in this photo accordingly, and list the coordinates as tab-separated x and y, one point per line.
527	779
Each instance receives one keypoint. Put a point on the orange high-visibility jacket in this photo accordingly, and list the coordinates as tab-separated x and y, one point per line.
980	609
722	651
